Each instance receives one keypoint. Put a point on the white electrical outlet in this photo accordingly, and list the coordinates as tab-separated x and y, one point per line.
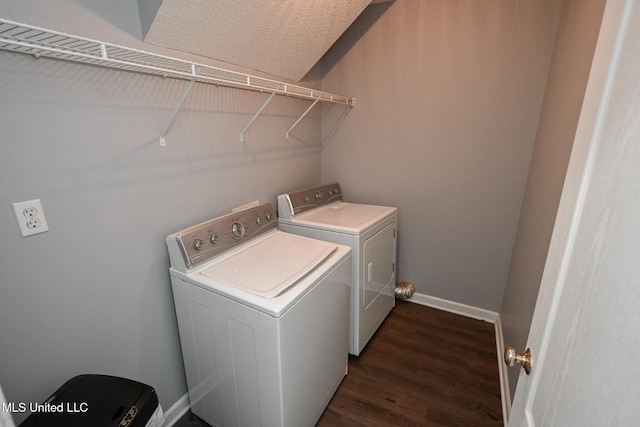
30	216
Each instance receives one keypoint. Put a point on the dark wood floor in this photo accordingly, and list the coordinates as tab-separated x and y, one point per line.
424	367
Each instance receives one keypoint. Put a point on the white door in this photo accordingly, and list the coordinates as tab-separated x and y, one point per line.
585	333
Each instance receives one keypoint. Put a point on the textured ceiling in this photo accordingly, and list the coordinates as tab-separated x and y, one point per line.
284	38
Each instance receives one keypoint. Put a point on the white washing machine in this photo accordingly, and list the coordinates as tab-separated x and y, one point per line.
370	231
263	318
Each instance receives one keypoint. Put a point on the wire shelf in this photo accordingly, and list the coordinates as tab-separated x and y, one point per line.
31	40
28	39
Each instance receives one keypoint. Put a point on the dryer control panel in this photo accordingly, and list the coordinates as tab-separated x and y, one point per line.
204	241
295	202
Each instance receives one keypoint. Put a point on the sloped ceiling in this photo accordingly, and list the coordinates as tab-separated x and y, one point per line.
284	38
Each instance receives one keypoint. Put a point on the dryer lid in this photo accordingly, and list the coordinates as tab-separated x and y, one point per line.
271	266
343	214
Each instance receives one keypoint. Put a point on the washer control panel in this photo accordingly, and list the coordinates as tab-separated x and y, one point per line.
208	239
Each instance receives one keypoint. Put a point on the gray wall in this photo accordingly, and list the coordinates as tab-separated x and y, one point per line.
92	295
449	95
570	65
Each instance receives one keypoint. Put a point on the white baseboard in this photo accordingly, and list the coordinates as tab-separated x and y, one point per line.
454	307
479	314
177	410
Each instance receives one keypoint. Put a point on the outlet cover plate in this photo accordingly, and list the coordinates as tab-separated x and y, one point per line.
30	216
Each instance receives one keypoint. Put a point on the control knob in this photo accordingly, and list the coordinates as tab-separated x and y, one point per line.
197	244
237	229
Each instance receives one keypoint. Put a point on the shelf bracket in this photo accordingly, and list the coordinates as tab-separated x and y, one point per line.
194	72
302	116
255	116
333	129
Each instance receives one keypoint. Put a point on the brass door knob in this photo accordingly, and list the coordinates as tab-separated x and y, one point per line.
511	357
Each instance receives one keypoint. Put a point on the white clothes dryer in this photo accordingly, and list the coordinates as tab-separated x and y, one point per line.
370	230
262	317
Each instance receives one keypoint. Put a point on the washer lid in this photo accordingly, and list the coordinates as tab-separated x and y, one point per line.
271	266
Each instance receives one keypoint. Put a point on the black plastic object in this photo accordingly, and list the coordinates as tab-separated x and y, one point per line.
95	401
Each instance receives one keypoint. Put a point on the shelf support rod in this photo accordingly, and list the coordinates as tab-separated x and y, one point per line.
302	116
255	116
194	72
